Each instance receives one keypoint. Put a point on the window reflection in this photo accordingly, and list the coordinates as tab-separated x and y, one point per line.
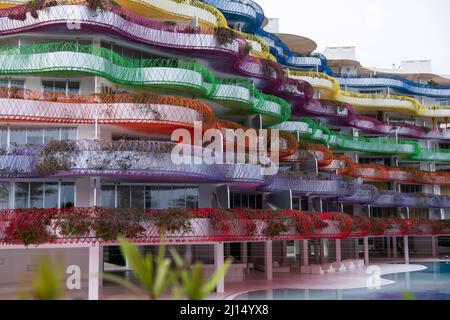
108	197
21	198
67	195
51	195
4	195
43	195
34	136
150	197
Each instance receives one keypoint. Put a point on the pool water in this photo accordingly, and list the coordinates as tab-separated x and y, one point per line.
432	283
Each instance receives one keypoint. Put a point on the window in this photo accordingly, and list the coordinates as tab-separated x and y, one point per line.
300	204
376	212
64	87
67	199
126	51
4	195
44	195
149	197
10	83
34	136
410	188
379	161
246	200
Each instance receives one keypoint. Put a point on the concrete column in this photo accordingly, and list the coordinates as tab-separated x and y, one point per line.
434	246
188	254
95	196
218	262
394	247
388	241
268	260
406	246
95	267
244	252
283	251
338	250
305	253
366	250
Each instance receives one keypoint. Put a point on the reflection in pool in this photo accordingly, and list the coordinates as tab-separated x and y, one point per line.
432	283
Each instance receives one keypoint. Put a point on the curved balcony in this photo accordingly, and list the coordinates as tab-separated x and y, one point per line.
85	225
396	82
403	200
365	194
331	87
436	155
160	114
157	73
374	145
206	15
251	17
299	183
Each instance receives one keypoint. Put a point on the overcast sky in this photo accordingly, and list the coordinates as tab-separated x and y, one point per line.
384	32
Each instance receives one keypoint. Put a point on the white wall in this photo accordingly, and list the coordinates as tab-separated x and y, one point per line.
340	53
18	265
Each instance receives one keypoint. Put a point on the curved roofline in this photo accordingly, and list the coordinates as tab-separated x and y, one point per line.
298	43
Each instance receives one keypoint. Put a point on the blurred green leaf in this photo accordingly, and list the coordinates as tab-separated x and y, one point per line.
192	280
46	283
154	275
408	296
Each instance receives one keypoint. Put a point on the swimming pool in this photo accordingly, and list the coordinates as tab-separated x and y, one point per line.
432	283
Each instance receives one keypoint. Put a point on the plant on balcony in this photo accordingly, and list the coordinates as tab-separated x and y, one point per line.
75	223
15	93
278	223
345	223
361	224
439	225
303	223
28	227
433	84
220	220
96	5
34	6
377	226
267	68
247	49
225	36
56	157
192	30
173	221
403	224
109	224
21	16
248	218
126	162
317	221
98	163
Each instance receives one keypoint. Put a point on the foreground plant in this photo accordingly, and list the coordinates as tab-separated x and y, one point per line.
192	283
156	277
47	283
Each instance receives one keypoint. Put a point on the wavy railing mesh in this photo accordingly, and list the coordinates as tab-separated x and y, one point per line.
86	225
